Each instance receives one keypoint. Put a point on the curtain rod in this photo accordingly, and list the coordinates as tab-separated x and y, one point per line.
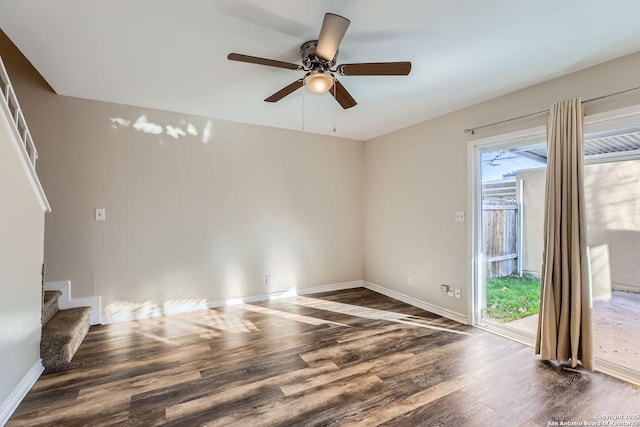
538	113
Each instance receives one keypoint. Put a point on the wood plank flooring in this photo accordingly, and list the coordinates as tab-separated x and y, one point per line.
345	358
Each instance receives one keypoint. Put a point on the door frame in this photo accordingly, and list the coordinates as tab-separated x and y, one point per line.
475	148
612	119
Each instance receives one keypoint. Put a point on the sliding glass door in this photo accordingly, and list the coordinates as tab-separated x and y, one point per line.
612	198
510	199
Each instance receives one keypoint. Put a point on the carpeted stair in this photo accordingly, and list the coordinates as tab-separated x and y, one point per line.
62	331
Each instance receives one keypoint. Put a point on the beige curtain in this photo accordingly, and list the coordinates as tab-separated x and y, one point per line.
564	324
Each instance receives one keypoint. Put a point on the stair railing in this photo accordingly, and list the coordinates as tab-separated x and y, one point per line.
19	128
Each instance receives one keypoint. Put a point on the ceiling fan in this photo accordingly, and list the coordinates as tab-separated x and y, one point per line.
318	58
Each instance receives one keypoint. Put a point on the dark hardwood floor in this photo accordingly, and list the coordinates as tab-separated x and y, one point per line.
348	358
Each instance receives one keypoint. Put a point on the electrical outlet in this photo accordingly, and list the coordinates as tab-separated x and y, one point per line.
457	293
410	282
459	216
450	292
267	280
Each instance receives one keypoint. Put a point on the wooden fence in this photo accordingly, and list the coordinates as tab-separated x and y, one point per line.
500	230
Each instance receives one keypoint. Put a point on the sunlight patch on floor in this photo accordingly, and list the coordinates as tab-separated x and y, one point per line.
291	316
368	313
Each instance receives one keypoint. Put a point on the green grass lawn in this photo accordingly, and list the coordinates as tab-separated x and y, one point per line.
512	297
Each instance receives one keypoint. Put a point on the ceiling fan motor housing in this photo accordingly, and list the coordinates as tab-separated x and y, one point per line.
311	61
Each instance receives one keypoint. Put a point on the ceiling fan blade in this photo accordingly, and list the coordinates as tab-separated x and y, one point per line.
331	34
375	69
263	61
285	91
341	95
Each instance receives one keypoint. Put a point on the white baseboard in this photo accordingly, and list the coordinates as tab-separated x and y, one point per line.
281	294
154	311
329	288
65	301
449	314
9	406
460	318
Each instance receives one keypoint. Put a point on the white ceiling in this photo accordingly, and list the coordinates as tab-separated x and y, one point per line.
171	54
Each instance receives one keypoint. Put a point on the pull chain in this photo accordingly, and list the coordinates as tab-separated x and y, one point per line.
334	106
303	90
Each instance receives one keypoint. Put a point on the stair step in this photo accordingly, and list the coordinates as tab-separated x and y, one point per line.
50	305
62	335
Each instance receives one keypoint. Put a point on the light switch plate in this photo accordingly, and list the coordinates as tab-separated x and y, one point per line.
100	215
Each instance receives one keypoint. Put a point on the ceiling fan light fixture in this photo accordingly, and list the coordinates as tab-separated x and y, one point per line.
318	81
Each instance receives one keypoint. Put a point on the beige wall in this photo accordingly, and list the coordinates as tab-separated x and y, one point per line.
187	219
414	182
417	177
21	243
612	192
532	198
204	216
193	219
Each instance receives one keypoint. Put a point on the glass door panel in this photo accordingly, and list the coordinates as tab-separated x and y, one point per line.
612	199
510	234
